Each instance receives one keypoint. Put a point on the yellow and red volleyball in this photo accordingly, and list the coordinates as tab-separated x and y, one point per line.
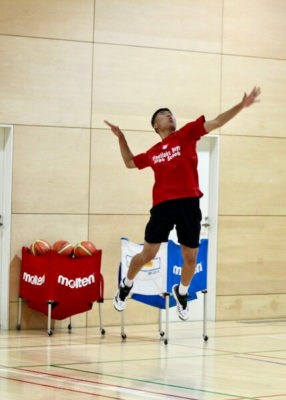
63	247
40	247
84	248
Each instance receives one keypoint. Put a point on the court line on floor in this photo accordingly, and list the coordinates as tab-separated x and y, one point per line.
59	388
105	384
258	359
87	383
261	355
224	353
126	360
264	396
154	382
60	345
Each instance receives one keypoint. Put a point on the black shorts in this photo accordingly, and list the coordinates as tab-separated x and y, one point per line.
184	213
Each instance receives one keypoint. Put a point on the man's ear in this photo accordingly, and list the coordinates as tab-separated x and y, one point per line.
155	126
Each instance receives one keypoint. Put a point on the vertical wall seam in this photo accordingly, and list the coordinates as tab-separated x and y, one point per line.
221	58
90	121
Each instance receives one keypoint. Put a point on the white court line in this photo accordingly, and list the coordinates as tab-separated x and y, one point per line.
85	384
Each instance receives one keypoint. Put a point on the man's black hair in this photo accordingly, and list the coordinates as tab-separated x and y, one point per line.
157	112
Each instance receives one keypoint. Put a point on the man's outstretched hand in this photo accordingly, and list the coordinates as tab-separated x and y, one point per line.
115	129
251	98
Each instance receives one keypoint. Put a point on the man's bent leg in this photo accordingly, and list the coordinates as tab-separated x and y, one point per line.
148	253
138	261
189	266
188	270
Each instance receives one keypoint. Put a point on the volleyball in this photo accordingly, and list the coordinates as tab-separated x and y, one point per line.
63	247
40	247
84	248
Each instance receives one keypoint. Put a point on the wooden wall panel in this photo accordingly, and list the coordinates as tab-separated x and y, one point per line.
252	176
266	118
45	82
251	255
50	170
114	189
130	83
189	25
61	19
255	28
263	306
31	319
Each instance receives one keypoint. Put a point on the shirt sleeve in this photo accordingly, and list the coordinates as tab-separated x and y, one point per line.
141	161
195	129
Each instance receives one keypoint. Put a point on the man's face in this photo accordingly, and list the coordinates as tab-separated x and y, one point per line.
165	120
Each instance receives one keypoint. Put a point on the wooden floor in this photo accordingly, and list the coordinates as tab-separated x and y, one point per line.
240	361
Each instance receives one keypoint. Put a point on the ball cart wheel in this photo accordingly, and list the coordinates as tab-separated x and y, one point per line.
206	338
102	331
165	341
124	336
18	327
162	333
50	332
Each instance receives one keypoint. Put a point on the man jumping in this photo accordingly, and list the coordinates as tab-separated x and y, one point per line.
176	193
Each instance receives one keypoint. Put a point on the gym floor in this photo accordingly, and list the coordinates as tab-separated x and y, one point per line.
241	360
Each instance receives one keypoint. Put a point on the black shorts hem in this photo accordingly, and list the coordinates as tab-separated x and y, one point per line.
183	213
191	246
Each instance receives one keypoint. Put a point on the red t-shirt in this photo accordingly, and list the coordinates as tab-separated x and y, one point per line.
174	161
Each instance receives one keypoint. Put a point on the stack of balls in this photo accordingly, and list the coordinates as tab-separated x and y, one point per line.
40	247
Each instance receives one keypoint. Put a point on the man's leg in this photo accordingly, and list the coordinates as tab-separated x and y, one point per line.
180	292
138	261
189	266
148	253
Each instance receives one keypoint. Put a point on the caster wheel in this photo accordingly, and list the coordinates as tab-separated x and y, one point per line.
69	327
165	341
102	331
162	333
206	338
123	335
50	332
18	327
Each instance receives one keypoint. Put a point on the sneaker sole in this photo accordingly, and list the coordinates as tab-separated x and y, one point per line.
115	306
177	301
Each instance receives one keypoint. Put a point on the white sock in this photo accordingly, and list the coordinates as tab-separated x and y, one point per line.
128	282
183	290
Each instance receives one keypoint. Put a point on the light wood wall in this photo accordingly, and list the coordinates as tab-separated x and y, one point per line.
66	65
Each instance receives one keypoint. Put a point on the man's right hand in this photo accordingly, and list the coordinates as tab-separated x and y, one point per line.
115	129
125	151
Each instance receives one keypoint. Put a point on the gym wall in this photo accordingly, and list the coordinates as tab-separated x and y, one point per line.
66	65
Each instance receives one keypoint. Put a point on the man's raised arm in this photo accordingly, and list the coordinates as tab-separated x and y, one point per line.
221	119
124	148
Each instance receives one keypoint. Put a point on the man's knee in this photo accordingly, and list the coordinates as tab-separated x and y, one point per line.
149	252
189	255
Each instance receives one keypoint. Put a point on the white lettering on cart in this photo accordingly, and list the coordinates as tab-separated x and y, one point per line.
178	270
76	283
34	279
